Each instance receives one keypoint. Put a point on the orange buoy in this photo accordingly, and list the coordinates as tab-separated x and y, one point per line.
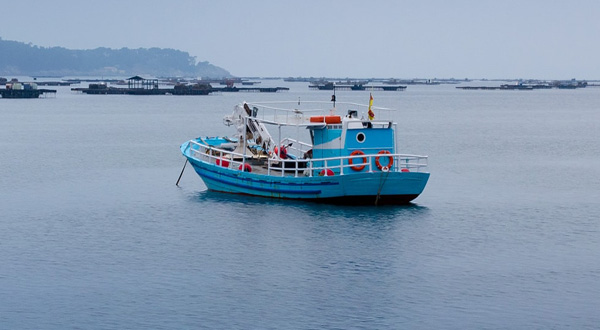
390	160
326	119
357	167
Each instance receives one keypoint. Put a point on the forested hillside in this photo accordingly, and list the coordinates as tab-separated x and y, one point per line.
17	58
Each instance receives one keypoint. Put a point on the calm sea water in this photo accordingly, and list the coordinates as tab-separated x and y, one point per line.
95	234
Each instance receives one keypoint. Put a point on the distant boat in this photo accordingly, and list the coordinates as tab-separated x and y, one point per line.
348	160
17	90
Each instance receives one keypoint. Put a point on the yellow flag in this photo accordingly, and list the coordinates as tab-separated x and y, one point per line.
371	113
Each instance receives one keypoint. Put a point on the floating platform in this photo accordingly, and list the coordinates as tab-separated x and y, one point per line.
178	90
250	89
102	89
24	93
53	83
137	91
356	87
531	86
503	87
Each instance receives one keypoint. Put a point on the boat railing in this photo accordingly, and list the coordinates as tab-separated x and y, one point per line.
308	166
342	166
214	155
299	113
297	148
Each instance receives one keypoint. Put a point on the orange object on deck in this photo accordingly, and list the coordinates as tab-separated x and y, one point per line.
326	119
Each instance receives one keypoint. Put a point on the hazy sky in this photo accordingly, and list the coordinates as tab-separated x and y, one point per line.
545	39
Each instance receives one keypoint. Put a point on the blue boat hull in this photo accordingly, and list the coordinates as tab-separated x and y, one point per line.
348	160
361	188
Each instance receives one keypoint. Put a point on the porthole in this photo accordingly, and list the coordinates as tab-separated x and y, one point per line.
360	137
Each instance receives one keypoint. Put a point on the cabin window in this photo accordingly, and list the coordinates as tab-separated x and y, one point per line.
360	137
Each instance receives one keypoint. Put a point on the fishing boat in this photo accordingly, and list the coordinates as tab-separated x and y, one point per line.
324	152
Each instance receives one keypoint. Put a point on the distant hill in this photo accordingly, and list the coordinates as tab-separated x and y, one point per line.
18	58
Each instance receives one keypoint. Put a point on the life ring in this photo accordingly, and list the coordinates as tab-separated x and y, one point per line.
357	168
390	160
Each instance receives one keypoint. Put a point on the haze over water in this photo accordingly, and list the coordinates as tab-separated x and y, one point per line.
95	234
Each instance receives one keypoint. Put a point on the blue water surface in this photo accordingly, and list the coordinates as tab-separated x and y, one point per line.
94	234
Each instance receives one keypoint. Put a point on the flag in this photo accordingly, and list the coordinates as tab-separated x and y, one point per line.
371	113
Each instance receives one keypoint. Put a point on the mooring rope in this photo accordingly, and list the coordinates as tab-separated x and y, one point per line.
381	183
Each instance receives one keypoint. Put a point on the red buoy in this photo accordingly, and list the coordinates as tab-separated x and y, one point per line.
246	167
222	162
329	172
283	154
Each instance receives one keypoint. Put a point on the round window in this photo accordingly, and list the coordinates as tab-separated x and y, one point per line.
360	137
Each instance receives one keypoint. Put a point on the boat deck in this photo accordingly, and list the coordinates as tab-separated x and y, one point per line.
260	165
